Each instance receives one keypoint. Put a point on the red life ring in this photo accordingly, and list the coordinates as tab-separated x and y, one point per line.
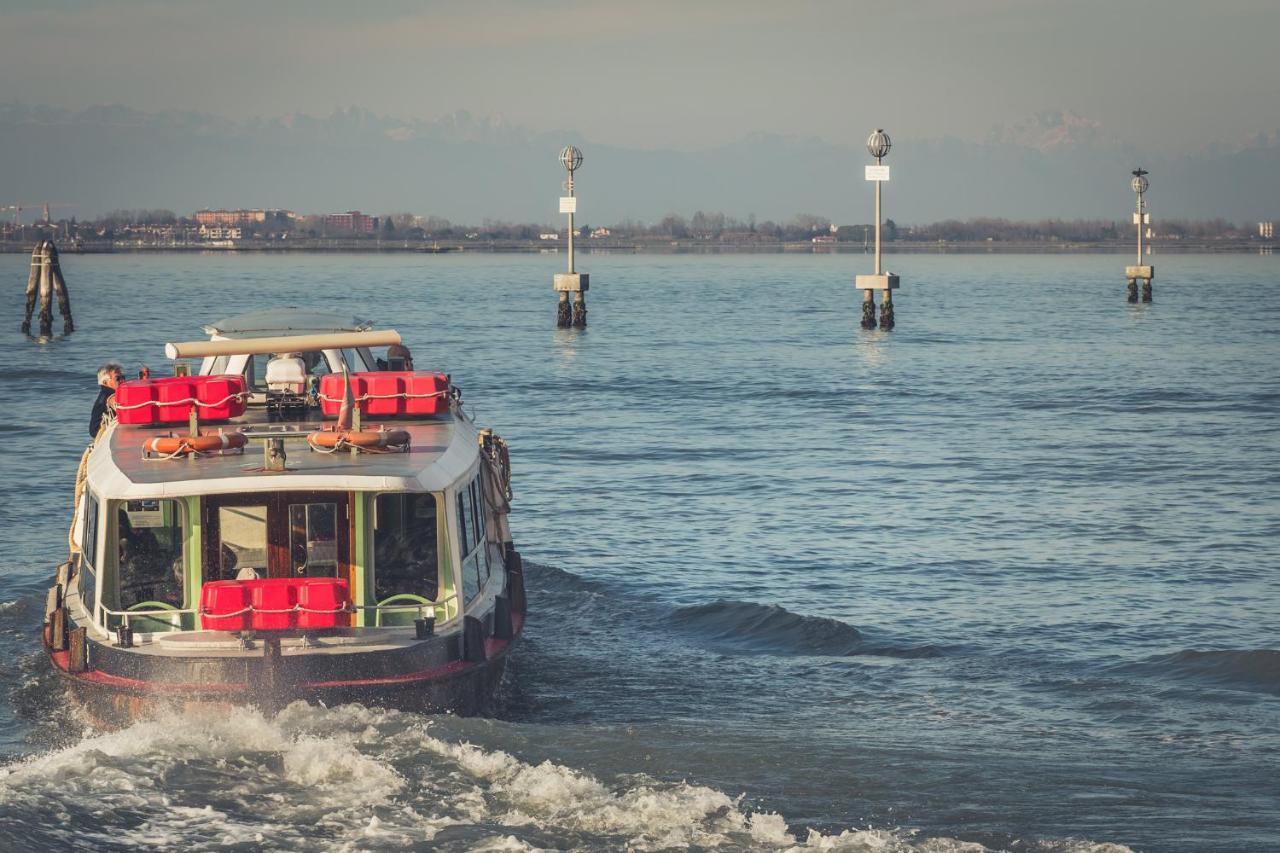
171	444
359	438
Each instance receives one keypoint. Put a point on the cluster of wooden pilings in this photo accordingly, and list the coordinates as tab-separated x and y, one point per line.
44	283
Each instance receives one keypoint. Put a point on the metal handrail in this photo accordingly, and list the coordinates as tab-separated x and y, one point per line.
128	615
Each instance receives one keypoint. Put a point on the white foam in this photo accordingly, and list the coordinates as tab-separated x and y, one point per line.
353	778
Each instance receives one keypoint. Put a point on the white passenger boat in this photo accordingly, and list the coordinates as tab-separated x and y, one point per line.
295	519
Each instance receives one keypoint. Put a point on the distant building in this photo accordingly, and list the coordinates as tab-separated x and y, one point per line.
1267	230
825	238
220	232
352	220
597	233
243	217
551	235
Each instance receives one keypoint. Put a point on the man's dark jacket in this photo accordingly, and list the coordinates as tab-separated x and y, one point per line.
99	409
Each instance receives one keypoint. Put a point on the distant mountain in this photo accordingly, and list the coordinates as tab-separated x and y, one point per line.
468	168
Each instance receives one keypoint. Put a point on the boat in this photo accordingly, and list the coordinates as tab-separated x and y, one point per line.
294	516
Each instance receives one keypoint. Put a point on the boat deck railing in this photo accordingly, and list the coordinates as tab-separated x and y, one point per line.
173	615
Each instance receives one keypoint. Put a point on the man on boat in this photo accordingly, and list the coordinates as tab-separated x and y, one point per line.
110	375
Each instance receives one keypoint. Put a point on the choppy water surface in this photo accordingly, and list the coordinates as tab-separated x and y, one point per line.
1003	578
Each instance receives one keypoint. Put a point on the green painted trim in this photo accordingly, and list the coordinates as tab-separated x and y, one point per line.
195	559
444	545
360	555
109	573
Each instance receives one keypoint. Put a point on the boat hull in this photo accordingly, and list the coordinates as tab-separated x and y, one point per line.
434	676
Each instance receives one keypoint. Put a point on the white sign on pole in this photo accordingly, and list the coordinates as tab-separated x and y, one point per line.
877	173
568	204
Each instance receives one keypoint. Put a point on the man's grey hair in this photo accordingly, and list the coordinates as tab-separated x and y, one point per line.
108	370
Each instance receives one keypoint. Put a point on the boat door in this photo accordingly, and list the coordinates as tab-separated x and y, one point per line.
280	535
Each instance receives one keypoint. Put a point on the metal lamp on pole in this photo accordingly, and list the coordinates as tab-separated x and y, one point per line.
1140	271
571	281
878	145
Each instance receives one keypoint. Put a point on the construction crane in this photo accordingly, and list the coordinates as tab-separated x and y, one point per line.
20	206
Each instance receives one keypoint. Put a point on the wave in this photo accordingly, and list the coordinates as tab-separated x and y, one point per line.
774	629
359	778
1255	670
768	628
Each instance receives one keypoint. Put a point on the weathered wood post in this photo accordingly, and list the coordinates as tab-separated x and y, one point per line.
45	283
33	285
572	281
1140	271
60	288
878	145
46	292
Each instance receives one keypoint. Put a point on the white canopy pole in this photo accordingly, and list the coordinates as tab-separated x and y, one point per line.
281	343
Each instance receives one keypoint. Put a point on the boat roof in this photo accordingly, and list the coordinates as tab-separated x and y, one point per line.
285	320
442	451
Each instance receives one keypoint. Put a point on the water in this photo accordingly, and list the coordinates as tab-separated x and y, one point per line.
1005	578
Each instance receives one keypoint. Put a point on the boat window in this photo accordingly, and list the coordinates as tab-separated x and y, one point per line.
88	588
475	568
354	358
317	364
313	540
149	543
243	551
405	553
466	525
219	364
89	539
477	499
89	545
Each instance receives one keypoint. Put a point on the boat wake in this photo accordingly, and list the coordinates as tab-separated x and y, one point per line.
354	778
1254	670
773	629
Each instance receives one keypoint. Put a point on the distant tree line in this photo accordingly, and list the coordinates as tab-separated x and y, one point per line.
702	226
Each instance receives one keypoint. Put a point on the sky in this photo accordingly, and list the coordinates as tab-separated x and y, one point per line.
1168	76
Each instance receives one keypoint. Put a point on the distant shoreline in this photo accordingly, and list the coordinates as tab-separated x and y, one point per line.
664	247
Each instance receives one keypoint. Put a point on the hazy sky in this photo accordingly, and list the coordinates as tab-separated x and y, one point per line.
1169	75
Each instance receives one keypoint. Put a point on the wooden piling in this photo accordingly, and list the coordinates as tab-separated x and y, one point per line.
46	293
60	288
45	283
33	286
564	313
886	310
868	309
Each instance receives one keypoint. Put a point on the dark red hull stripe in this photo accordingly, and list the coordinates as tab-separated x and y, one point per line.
492	648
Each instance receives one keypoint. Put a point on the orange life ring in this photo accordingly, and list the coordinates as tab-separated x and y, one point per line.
359	438
207	443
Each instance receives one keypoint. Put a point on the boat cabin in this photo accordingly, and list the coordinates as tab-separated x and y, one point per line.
275	530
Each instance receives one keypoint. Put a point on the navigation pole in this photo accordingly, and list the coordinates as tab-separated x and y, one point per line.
571	281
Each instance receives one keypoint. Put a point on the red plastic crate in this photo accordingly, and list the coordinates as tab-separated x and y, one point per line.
331	391
221	603
386	394
175	391
140	393
165	400
418	386
272	594
323	594
221	396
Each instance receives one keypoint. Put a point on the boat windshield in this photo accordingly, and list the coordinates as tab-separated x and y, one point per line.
149	557
405	547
